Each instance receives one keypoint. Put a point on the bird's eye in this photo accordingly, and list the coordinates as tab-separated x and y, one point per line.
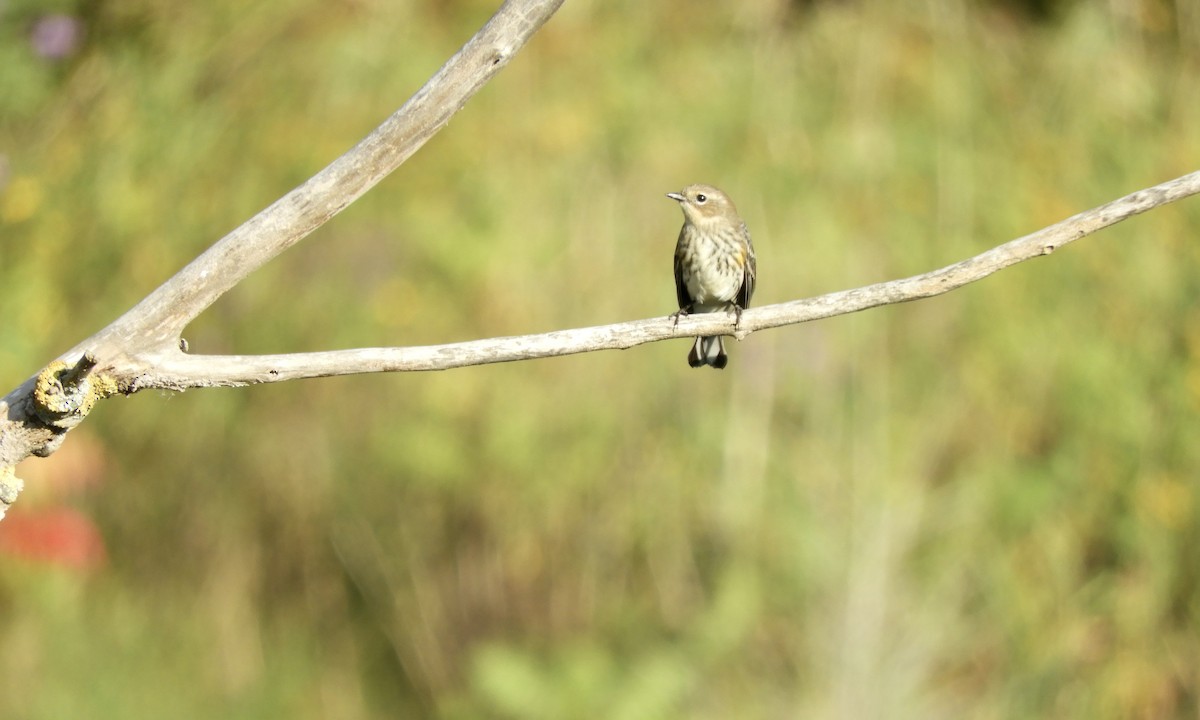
701	198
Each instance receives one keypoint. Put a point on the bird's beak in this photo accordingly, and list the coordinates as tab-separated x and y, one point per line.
677	197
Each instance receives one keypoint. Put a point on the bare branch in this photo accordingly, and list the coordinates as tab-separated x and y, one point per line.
152	328
178	371
141	349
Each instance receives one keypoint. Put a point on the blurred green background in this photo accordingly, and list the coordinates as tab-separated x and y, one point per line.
982	505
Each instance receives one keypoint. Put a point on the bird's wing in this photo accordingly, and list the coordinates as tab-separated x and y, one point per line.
681	291
749	273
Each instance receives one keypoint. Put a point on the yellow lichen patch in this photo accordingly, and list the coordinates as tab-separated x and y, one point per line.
48	392
104	386
56	401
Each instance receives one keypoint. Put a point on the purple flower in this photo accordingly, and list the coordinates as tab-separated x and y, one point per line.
56	36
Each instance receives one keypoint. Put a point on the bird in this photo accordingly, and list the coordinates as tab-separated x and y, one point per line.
715	265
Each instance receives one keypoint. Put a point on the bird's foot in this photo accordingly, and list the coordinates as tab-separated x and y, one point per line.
680	313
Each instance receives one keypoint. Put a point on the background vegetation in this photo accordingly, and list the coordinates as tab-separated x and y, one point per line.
982	505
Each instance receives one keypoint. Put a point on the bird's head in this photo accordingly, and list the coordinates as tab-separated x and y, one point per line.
702	204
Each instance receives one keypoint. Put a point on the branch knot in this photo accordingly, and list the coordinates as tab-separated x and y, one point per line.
64	394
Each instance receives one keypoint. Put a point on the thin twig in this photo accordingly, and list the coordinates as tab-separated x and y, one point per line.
178	371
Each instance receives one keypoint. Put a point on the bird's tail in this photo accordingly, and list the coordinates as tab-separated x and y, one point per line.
708	351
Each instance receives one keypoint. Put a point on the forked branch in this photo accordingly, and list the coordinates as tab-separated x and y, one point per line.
35	417
142	349
171	369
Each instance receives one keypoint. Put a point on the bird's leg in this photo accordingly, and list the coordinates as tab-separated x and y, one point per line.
685	310
737	316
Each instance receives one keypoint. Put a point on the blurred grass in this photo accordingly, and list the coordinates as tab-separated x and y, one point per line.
981	505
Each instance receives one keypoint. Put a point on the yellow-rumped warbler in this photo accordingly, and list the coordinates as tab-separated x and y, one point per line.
714	264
